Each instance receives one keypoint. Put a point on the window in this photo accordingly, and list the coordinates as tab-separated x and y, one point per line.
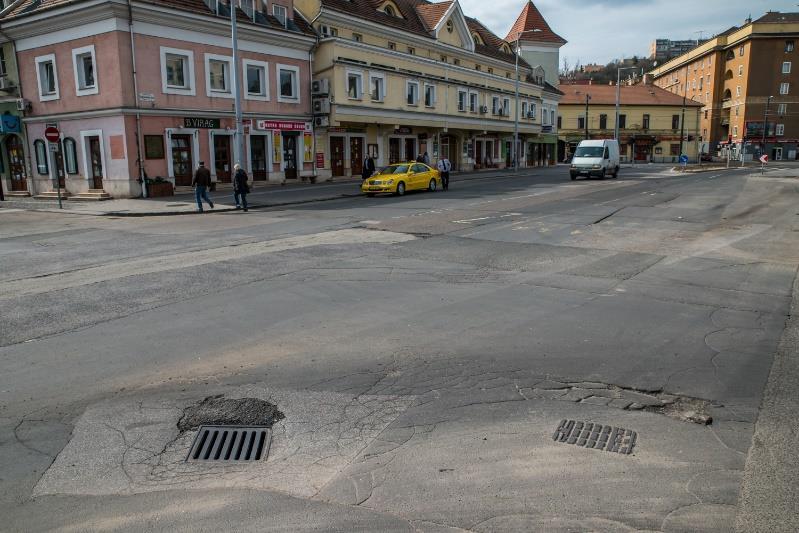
490	70
740	70
533	110
473	102
581	123
738	90
622	121
357	37
786	67
429	95
71	155
646	122
256	79
48	77
524	109
462	96
674	149
495	109
3	70
217	82
737	110
177	71
450	26
784	87
333	32
560	121
153	146
83	62
780	130
477	68
543	116
412	51
456	62
354	85
388	10
741	51
789	46
735	131
782	109
392	46
443	59
603	122
506	106
412	92
705	113
41	157
280	13
377	86
288	83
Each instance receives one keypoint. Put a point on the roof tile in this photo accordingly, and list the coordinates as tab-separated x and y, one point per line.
640	94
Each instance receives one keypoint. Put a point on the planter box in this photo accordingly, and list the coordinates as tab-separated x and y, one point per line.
155	190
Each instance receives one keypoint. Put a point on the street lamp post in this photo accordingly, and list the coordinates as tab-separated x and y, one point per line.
682	124
587	99
765	123
238	150
516	122
618	98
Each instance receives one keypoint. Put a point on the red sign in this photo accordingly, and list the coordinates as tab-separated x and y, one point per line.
52	134
320	160
280	125
764	158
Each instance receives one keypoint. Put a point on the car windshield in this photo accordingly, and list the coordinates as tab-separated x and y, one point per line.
395	169
589	151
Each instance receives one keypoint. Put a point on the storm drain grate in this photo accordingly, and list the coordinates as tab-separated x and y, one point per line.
230	443
596	436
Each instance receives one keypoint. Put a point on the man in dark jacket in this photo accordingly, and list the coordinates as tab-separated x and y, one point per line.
201	182
368	167
240	187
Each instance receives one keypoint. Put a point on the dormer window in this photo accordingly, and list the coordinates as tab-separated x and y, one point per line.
477	39
388	10
450	26
505	48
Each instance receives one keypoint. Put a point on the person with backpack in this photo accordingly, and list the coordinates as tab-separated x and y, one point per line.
240	187
368	167
444	166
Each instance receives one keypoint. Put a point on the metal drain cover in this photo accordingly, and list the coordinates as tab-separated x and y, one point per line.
596	436
230	443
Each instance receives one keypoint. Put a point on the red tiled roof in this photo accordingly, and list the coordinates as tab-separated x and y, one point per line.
431	13
640	94
531	20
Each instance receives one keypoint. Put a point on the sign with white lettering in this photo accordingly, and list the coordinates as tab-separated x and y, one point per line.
283	125
201	123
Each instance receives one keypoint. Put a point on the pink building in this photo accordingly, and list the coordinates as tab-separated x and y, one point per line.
149	91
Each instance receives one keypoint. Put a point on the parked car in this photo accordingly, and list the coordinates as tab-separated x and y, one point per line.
598	157
402	177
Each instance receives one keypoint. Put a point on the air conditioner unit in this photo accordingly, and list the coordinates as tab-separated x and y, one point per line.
23	104
321	106
320	86
321	122
484	109
6	84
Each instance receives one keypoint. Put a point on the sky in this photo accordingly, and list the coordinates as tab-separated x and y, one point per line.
599	31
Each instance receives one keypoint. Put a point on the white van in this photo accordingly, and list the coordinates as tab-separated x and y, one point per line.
596	158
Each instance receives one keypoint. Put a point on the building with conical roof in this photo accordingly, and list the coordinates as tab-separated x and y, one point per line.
537	43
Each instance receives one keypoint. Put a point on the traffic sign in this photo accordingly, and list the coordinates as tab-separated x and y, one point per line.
684	159
52	134
764	158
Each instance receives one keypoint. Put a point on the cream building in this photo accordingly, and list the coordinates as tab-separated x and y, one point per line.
401	78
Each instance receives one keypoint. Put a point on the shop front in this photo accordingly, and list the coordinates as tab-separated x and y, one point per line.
13	172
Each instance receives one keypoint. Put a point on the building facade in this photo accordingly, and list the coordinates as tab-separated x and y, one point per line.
400	78
665	49
651	121
746	81
14	168
148	92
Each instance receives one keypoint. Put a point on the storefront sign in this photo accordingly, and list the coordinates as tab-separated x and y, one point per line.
320	160
307	141
283	125
9	124
404	130
201	123
277	152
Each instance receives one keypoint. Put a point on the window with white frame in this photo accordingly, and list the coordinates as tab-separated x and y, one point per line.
533	110
429	95
524	109
473	102
377	87
256	79
782	109
70	155
789	46
3	69
780	130
288	79
741	50
785	87
354	84
177	71
217	80
280	13
506	107
40	150
463	96
85	65
552	117
495	108
412	92
544	115
786	67
735	131
47	77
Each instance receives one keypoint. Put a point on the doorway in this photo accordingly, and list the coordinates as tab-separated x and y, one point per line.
16	164
410	149
776	153
258	157
393	150
337	155
96	162
290	156
181	159
222	158
356	155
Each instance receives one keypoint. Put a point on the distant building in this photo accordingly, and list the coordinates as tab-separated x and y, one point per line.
593	67
665	49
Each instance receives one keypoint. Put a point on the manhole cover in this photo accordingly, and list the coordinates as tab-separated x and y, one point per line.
230	443
596	436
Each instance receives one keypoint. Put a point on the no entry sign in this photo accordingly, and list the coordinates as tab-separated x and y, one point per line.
52	134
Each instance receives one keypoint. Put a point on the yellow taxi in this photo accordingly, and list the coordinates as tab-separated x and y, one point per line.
402	177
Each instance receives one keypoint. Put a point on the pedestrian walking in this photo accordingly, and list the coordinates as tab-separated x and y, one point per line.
420	158
240	187
426	159
368	167
201	182
444	166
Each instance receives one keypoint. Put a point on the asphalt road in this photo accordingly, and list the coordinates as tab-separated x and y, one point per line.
423	350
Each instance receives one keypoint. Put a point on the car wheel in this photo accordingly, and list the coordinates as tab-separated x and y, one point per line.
602	174
432	186
616	173
401	188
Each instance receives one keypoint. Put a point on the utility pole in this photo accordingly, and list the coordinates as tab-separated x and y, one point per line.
238	150
682	124
516	123
587	99
765	125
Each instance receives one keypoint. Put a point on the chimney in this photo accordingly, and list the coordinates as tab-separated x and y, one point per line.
648	79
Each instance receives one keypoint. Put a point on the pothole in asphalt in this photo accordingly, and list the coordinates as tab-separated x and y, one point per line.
221	411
